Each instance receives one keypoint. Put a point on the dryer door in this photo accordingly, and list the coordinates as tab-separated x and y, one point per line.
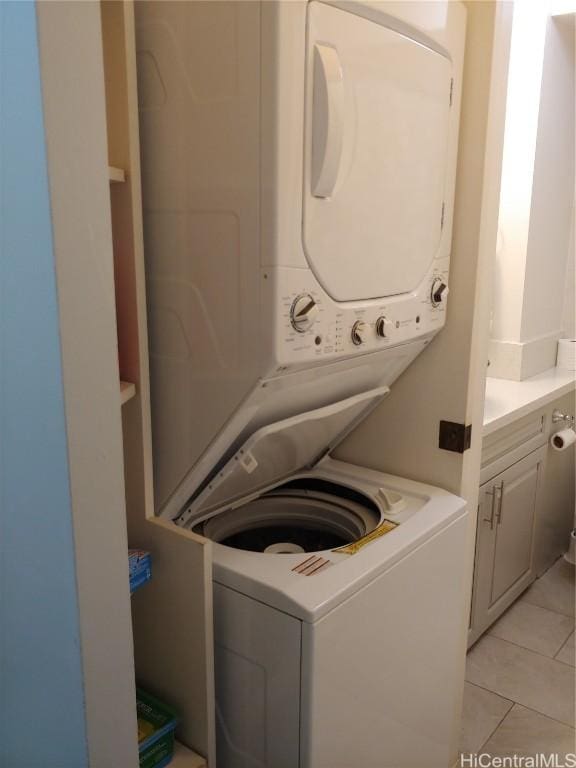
377	127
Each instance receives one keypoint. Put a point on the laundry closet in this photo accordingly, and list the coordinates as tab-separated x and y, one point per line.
320	354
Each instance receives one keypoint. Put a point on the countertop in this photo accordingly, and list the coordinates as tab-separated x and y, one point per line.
508	400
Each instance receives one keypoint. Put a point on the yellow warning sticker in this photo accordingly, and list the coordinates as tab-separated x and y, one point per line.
350	549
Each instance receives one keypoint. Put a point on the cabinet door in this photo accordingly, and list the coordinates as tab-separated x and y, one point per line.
505	539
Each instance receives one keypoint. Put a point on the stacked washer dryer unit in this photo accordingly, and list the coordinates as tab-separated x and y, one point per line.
298	177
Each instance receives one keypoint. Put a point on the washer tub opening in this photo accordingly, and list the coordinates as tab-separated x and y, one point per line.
303	515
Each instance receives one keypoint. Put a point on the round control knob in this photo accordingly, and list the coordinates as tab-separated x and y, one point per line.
382	326
358	334
303	313
438	292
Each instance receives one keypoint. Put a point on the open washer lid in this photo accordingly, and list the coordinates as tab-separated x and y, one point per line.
277	451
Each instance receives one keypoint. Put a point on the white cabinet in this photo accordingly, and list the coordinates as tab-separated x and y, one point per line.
525	510
504	564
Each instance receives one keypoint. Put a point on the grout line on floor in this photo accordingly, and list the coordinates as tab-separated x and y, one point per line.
524	597
565	663
494	692
562	646
536	711
536	605
510	708
531	650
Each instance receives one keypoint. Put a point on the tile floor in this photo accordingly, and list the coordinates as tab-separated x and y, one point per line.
521	676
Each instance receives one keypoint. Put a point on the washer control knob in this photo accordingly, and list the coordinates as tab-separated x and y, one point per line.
358	334
382	326
439	292
303	313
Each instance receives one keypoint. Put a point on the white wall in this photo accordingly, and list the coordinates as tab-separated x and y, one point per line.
569	313
553	189
521	128
537	195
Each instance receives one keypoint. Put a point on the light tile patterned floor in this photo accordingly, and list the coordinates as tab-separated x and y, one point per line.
521	676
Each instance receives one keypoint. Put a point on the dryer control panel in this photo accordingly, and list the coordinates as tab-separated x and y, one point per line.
310	327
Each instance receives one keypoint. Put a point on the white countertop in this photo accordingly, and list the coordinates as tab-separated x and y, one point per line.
508	400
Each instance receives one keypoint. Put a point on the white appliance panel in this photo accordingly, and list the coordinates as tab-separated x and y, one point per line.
381	680
406	317
198	67
378	124
257	698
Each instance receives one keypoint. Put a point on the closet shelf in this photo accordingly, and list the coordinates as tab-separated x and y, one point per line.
116	175
185	758
127	391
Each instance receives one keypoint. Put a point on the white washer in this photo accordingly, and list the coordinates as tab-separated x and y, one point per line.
298	172
338	605
338	602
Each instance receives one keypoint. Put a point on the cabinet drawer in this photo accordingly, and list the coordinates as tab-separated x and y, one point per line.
512	443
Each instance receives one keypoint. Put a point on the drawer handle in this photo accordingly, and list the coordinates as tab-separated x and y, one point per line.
499	493
491	492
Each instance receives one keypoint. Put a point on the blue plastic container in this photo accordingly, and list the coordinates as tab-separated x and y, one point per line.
140	568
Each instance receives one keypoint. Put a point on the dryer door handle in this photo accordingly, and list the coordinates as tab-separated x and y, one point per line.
328	120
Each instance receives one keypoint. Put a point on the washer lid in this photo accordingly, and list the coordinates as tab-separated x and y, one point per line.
279	450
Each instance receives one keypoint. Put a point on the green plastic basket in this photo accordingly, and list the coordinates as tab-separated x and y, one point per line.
156	724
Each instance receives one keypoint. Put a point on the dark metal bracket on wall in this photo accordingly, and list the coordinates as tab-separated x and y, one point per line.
454	437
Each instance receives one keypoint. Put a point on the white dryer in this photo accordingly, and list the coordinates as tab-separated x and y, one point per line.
298	167
298	170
